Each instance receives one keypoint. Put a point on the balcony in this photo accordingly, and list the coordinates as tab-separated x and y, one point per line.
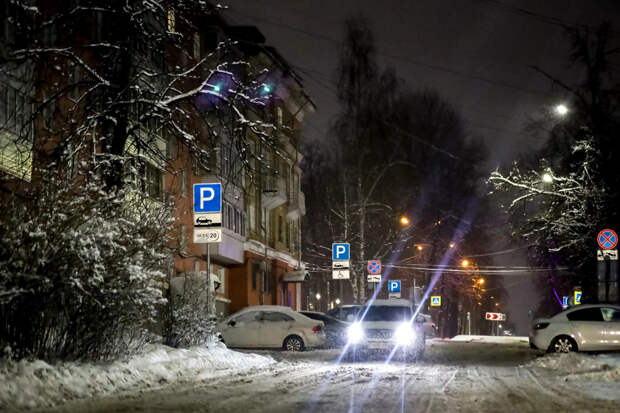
274	192
296	206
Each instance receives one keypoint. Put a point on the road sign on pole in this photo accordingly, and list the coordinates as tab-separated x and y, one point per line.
577	297
436	301
340	251
207	213
393	289
495	316
340	261
607	239
565	301
374	271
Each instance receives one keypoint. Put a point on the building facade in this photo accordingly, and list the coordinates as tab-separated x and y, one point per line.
259	258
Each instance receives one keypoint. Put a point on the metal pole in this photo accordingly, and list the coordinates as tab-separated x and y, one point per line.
468	323
209	309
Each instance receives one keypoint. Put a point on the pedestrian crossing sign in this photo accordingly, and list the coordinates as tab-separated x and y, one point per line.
436	301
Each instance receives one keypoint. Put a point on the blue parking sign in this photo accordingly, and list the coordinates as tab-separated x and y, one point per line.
340	251
208	198
394	286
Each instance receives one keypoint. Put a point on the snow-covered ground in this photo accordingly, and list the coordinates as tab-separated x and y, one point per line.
465	376
36	384
492	339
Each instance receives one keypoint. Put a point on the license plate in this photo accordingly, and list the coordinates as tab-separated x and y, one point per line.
379	345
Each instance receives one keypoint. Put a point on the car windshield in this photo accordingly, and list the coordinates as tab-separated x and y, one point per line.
387	313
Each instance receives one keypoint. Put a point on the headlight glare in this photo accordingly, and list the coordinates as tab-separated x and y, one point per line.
355	333
404	334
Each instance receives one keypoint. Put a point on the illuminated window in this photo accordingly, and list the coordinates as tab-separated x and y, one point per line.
171	21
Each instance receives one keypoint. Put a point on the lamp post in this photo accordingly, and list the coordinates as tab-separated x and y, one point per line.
318	302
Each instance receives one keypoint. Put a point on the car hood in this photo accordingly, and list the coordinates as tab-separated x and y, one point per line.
384	325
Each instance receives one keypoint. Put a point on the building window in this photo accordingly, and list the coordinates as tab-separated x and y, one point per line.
197	46
15	132
280	229
183	239
183	182
171	21
255	271
151	183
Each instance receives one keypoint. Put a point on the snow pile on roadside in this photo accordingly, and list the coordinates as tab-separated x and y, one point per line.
35	384
602	366
491	339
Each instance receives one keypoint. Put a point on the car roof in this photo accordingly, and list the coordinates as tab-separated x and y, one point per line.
313	312
266	308
583	307
396	302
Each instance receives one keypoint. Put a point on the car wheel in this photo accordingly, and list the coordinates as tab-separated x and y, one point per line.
293	343
563	344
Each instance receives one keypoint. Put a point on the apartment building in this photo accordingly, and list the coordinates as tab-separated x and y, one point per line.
259	259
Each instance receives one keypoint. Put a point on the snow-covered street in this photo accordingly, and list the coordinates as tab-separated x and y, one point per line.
466	376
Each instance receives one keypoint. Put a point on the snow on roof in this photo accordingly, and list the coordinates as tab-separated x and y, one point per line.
396	302
265	308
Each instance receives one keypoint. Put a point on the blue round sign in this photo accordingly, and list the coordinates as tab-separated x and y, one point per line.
607	239
374	267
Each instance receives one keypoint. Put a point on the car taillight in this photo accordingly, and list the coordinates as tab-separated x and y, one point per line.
317	329
540	326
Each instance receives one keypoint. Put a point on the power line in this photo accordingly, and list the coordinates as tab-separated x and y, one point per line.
417	62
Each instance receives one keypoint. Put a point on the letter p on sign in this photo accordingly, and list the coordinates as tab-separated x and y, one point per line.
208	198
340	252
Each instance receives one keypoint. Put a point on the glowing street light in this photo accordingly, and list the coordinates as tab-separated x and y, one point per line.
465	263
481	281
337	301
318	296
547	178
404	221
419	247
452	244
266	88
561	109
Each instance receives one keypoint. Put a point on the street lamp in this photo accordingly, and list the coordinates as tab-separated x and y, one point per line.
452	244
337	301
404	221
318	296
547	178
561	109
481	281
465	263
419	247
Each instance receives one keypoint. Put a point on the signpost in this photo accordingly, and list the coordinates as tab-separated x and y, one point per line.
374	271
577	298
607	266
208	224
495	316
394	289
435	301
340	261
565	302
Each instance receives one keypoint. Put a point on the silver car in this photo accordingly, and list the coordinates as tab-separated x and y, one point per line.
271	326
593	327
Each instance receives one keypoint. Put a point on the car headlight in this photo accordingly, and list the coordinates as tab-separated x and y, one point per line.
355	333
404	334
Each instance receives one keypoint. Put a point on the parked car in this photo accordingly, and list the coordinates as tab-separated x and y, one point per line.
593	327
387	327
270	326
344	312
335	330
430	328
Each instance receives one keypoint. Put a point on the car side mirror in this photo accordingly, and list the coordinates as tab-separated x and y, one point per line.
232	323
350	317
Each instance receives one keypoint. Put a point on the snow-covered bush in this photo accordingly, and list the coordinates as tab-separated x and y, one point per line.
80	269
186	322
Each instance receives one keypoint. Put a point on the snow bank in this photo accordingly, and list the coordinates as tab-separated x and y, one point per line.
601	366
35	384
491	339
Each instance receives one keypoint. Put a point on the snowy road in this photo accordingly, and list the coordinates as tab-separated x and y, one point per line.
454	376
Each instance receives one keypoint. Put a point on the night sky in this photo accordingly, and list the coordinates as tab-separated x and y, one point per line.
476	53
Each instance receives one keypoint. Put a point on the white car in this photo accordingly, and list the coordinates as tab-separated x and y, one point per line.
388	327
592	327
271	326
